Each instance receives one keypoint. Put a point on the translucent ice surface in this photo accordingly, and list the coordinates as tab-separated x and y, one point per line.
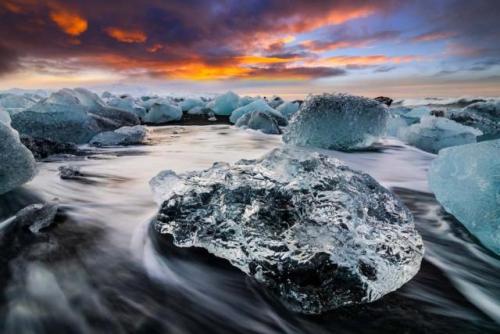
484	116
70	116
258	105
224	104
17	165
315	232
259	120
160	113
337	121
288	109
127	103
127	135
435	133
466	181
191	103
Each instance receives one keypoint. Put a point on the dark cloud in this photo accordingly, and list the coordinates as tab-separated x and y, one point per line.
8	60
339	38
384	69
185	36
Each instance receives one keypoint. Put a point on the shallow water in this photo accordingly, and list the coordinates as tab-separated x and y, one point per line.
103	270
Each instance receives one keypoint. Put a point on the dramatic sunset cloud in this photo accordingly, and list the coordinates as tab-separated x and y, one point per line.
71	23
126	36
251	43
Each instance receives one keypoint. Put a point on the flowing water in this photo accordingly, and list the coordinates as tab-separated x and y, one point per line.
102	269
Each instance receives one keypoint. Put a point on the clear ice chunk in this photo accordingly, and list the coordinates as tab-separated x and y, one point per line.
318	234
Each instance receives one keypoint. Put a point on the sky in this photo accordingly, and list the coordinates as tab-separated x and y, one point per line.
292	48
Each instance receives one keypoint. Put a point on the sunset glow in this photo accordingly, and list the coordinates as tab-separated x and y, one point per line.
325	45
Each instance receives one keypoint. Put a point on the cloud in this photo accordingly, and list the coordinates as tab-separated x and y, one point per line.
228	39
126	36
433	36
8	60
69	22
354	61
345	39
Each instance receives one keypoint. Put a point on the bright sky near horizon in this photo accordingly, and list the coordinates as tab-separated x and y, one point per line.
389	47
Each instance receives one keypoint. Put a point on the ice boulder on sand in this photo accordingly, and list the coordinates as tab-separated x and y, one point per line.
435	133
466	181
224	104
127	103
246	100
161	113
126	135
191	103
318	234
415	115
258	105
275	102
17	164
337	121
484	116
259	120
288	109
96	106
15	103
70	116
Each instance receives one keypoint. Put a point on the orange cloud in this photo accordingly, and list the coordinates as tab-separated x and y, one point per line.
433	36
336	16
155	48
69	22
365	60
13	7
251	60
126	36
327	46
196	69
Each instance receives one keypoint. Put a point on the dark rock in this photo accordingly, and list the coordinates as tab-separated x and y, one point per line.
70	172
437	113
385	100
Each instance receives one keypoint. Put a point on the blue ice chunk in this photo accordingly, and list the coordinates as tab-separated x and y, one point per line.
259	120
434	133
224	104
288	109
414	115
160	113
466	181
337	121
258	105
127	103
484	116
127	135
17	164
191	103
